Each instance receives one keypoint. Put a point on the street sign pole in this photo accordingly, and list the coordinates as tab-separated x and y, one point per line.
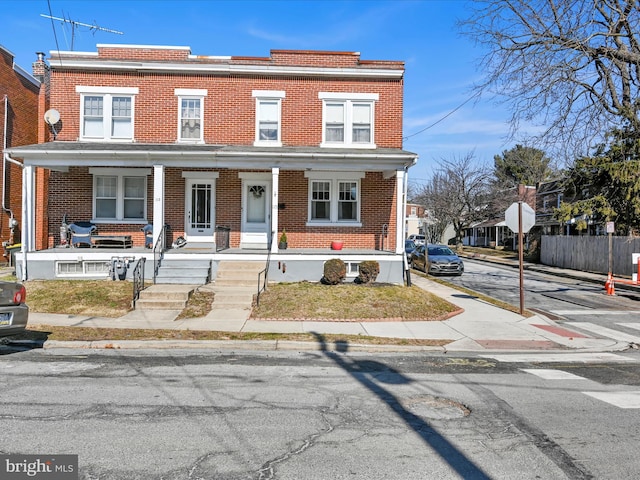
521	257
520	217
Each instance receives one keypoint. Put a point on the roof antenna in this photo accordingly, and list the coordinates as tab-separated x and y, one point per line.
75	25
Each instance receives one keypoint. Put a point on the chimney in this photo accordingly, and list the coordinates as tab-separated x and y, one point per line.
40	68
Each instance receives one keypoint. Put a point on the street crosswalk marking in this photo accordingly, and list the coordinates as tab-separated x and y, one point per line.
635	326
605	332
580	357
618	399
552	374
595	312
626	400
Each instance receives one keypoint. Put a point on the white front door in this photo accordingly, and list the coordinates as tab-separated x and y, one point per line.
199	213
256	213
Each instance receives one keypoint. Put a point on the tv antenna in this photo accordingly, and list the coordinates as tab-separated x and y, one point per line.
75	25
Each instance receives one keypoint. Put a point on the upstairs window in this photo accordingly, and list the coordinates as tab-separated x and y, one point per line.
106	113
348	119
268	117
190	114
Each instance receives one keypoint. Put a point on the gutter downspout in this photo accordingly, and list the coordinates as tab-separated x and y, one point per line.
5	157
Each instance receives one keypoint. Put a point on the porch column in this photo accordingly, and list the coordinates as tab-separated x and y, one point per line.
27	236
275	181
158	201
400	210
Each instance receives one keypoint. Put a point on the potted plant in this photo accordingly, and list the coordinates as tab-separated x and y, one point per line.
282	245
337	245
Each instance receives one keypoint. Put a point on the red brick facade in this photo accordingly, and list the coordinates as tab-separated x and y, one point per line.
19	93
229	118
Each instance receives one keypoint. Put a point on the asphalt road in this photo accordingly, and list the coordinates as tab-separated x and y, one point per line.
317	415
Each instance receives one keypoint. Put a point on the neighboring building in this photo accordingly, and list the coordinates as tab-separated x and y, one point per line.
416	216
549	195
494	232
19	119
226	152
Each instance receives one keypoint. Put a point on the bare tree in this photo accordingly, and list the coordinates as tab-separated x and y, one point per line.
572	66
457	193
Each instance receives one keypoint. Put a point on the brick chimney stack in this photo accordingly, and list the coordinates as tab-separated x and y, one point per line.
41	69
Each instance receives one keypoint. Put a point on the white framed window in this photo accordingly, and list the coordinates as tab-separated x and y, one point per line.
106	113
348	119
268	117
119	194
560	198
190	114
82	269
334	198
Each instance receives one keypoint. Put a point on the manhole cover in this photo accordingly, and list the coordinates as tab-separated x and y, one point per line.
435	408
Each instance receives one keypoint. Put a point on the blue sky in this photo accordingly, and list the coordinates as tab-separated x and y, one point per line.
440	63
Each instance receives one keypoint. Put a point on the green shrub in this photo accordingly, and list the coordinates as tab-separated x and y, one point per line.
368	271
335	270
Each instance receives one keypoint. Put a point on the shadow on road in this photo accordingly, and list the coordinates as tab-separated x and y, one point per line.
362	370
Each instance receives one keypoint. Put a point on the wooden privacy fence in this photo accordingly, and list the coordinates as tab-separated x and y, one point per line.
589	253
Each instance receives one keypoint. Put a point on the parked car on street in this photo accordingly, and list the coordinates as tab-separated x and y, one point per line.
436	260
409	246
417	239
14	312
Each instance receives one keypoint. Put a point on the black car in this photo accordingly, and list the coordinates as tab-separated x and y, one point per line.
14	313
436	260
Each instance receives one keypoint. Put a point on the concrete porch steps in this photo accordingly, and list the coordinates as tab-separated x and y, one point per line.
238	274
182	271
165	297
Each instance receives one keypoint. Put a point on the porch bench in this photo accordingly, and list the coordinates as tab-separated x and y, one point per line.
111	241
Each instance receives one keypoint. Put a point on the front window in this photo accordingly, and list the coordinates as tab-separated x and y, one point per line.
268	117
119	194
106	113
348	119
334	200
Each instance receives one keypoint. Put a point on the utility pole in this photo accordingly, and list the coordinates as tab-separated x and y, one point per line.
75	25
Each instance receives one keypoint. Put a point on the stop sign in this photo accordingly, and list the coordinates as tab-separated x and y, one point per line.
528	217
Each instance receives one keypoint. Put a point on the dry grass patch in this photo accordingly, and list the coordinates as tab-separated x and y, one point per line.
98	298
306	300
88	334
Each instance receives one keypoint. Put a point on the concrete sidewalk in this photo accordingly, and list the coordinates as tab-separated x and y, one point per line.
480	326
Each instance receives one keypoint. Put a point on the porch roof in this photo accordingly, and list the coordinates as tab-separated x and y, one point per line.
59	155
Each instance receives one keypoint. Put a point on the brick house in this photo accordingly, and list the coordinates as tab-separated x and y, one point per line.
219	150
19	92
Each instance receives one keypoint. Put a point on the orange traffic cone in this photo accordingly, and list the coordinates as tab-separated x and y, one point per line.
609	285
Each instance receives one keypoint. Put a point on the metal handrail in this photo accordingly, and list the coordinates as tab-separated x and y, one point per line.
265	271
138	280
158	252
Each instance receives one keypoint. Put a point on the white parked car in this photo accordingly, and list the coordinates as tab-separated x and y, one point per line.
417	239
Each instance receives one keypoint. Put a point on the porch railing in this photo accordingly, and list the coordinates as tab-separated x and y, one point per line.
222	237
158	252
263	275
138	280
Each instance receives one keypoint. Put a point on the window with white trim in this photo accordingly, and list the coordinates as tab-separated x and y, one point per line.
119	194
334	199
268	117
106	113
348	119
190	114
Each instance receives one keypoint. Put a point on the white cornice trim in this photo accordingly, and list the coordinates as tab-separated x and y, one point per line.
224	68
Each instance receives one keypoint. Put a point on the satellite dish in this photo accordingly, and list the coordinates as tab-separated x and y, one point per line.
52	116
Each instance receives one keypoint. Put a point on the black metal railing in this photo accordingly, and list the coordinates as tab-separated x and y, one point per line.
138	280
263	275
222	237
158	252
